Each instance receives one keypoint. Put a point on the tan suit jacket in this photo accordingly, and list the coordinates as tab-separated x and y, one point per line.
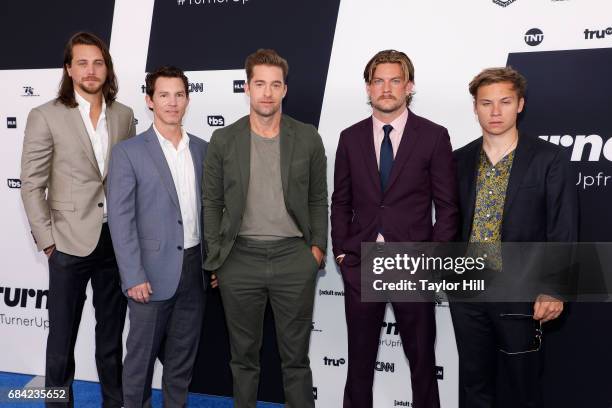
58	159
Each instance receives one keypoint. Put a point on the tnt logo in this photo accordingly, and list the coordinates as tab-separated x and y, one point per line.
239	86
333	362
13	183
391	328
386	367
534	37
439	373
216	120
503	3
11	123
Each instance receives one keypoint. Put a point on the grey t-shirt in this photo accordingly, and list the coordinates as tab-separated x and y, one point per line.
265	215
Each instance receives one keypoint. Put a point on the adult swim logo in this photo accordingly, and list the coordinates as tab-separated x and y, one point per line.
503	3
597	34
534	37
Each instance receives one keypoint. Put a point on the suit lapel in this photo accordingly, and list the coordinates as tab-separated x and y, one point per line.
407	145
112	124
78	128
243	154
468	175
159	160
287	142
520	164
366	141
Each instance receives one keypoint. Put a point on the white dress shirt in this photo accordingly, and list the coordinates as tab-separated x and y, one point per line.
98	135
181	167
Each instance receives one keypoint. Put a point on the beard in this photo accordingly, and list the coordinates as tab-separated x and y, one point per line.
90	87
387	107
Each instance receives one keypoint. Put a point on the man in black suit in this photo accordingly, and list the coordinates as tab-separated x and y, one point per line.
512	188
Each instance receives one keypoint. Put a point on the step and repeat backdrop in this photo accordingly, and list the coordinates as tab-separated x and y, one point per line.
564	48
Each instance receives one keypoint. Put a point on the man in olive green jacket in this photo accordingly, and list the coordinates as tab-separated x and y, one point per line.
265	226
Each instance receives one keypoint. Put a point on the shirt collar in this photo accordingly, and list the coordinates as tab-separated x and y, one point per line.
184	142
398	123
85	106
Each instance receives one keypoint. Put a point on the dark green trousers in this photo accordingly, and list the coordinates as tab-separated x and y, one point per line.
284	272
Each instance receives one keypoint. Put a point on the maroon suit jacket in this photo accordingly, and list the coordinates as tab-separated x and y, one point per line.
423	171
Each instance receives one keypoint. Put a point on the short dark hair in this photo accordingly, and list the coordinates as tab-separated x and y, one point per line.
390	57
110	87
496	75
166	72
265	57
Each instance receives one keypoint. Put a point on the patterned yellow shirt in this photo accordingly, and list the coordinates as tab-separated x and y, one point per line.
489	210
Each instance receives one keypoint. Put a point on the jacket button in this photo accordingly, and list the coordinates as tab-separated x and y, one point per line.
180	248
100	205
180	222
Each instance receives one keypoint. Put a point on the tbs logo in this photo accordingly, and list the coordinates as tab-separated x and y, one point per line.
13	183
11	123
239	86
216	120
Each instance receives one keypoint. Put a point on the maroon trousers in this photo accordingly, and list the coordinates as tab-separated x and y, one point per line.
417	328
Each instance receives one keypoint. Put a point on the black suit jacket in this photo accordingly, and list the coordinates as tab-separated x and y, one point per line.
541	202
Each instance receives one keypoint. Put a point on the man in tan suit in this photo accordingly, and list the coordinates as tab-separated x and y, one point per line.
66	152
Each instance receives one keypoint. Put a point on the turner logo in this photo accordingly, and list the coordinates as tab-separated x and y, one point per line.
11	123
13	183
390	328
20	297
239	86
597	34
386	367
534	37
216	120
596	146
503	3
397	403
333	362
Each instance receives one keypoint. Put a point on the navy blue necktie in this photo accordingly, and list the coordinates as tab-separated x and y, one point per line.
386	157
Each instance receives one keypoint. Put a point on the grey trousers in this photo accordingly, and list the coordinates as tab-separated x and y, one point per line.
284	272
170	328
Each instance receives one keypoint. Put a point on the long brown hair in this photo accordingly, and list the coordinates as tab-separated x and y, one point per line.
66	89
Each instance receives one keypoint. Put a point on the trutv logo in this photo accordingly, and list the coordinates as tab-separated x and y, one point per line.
24	297
579	143
333	361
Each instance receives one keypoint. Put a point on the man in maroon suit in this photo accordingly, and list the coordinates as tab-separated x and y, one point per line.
389	168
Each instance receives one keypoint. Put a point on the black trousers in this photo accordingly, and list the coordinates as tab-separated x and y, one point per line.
499	365
169	330
68	278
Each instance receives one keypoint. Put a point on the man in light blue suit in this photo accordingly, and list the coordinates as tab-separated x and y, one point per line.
154	214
